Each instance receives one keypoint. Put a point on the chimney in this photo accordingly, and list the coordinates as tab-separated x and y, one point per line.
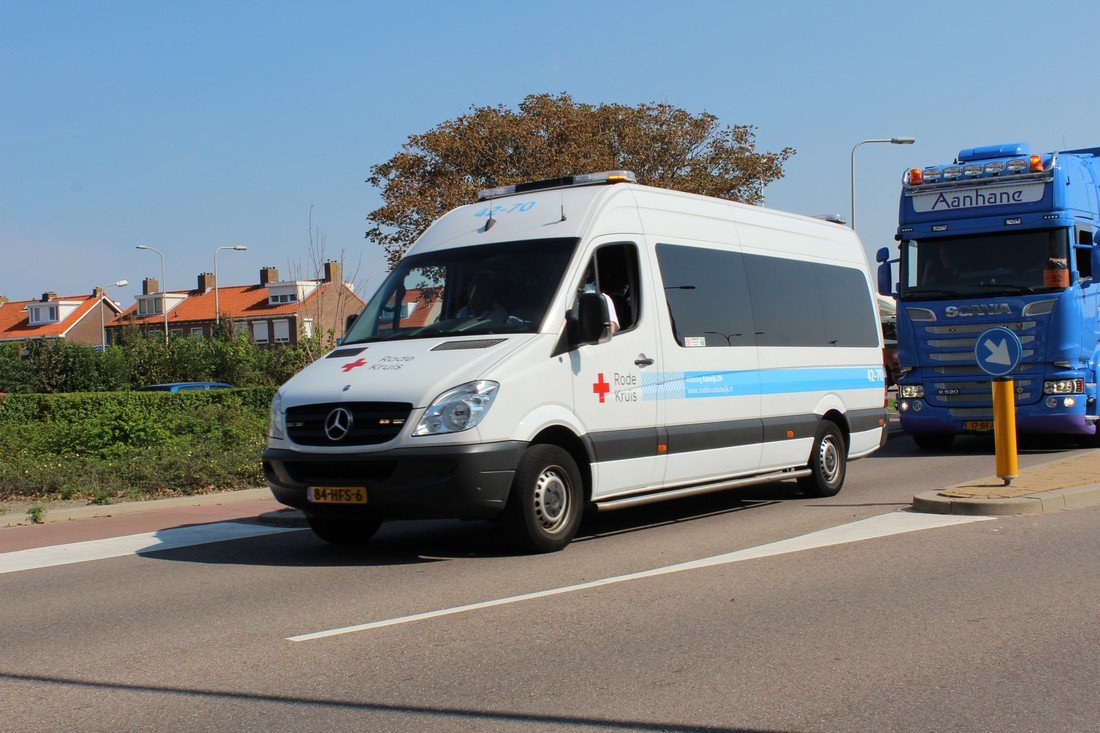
97	292
3	299
48	296
269	275
206	282
332	271
149	286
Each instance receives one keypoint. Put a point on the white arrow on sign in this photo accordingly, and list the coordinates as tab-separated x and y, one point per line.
998	352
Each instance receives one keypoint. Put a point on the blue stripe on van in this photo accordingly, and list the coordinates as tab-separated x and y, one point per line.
695	385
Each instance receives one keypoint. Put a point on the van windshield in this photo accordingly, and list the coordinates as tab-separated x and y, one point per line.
485	289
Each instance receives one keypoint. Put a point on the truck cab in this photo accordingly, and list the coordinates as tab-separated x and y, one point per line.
1001	237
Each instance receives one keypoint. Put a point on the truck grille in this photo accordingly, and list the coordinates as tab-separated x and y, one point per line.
370	423
954	380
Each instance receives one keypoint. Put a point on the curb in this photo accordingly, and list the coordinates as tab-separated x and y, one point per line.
133	507
1040	502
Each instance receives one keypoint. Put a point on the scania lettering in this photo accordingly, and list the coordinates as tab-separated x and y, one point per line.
748	351
1001	237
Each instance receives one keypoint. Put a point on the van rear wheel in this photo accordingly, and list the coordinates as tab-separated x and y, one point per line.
828	462
343	531
544	508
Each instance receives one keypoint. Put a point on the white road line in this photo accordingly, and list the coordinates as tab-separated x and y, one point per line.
135	544
881	526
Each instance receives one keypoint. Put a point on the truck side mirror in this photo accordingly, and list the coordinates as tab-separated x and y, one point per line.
885	287
883	254
591	321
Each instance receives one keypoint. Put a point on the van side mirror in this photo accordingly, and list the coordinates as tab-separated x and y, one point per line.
590	323
349	322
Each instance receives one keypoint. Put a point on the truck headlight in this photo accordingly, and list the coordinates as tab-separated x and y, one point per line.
1064	386
458	409
276	418
911	391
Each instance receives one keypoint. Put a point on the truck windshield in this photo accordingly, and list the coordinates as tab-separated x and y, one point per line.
1007	263
484	289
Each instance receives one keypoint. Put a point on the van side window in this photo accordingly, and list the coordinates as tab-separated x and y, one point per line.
799	303
707	296
613	271
723	298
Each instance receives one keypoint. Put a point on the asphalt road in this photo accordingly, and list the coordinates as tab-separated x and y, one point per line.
983	625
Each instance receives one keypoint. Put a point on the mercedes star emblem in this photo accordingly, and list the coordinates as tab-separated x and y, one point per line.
338	424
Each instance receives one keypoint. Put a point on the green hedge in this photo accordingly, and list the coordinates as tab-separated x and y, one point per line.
104	446
60	366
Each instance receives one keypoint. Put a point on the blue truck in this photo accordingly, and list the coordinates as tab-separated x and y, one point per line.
1000	237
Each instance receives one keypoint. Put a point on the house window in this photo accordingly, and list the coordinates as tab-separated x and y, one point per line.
284	298
197	333
150	306
176	333
307	327
282	332
259	332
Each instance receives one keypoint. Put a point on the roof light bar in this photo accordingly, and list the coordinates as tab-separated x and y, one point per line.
586	179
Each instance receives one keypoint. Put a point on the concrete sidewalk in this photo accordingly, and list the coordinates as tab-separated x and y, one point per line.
1067	483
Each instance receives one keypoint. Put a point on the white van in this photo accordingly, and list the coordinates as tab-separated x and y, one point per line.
483	379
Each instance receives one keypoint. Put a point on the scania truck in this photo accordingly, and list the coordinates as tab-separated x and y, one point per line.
1000	237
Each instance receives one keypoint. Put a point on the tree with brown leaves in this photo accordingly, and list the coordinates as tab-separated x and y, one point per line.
552	136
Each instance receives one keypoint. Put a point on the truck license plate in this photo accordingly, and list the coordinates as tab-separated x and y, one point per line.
337	494
983	426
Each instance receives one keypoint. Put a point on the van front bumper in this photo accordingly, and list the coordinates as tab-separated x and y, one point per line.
464	482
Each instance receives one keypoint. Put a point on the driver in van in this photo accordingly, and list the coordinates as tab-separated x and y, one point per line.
481	302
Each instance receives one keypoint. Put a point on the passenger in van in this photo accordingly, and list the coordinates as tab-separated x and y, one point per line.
481	302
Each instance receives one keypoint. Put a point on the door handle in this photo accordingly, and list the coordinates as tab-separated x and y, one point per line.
642	361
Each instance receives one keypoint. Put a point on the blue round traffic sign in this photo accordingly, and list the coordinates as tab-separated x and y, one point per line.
998	351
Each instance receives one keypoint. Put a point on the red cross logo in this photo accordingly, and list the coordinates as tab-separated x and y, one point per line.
352	364
601	387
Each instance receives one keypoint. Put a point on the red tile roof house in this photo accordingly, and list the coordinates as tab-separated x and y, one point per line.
274	311
75	318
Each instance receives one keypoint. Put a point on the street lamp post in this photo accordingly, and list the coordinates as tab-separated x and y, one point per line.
892	141
217	303
163	289
102	325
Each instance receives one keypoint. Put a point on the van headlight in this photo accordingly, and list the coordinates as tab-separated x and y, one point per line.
458	409
276	418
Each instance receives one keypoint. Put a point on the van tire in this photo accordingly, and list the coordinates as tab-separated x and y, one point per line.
934	441
343	531
546	502
828	462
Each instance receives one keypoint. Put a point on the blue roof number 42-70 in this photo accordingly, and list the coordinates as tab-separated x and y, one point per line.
518	207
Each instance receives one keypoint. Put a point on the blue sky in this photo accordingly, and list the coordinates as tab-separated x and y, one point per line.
191	125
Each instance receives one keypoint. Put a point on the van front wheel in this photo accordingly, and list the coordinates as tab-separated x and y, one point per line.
544	508
828	462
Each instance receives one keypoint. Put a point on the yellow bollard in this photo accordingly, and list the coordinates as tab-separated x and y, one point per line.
1004	428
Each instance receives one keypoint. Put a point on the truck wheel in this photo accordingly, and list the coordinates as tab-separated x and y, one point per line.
343	531
544	508
934	441
828	462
